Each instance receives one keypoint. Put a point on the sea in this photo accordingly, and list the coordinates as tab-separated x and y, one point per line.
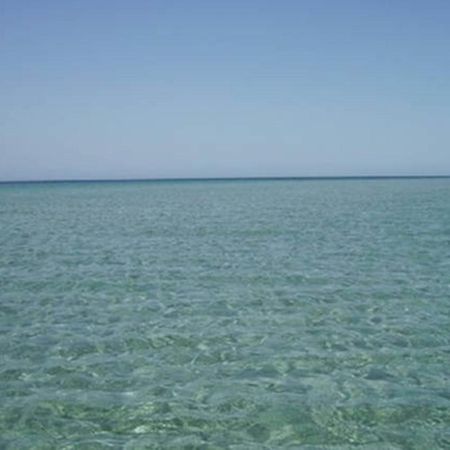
225	314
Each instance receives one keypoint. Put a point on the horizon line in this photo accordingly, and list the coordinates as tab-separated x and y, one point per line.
239	178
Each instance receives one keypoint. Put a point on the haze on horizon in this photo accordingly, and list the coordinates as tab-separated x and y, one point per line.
154	89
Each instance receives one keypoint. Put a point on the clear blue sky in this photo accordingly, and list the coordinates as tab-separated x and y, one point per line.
196	88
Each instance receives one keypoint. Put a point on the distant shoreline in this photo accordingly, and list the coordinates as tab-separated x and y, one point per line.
195	179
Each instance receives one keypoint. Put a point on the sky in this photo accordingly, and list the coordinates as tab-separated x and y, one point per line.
96	89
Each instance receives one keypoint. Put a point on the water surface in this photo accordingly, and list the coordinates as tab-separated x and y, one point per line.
225	314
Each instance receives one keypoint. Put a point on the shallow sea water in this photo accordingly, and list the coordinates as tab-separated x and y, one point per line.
225	315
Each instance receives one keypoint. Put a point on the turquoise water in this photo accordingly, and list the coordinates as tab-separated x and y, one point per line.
225	314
